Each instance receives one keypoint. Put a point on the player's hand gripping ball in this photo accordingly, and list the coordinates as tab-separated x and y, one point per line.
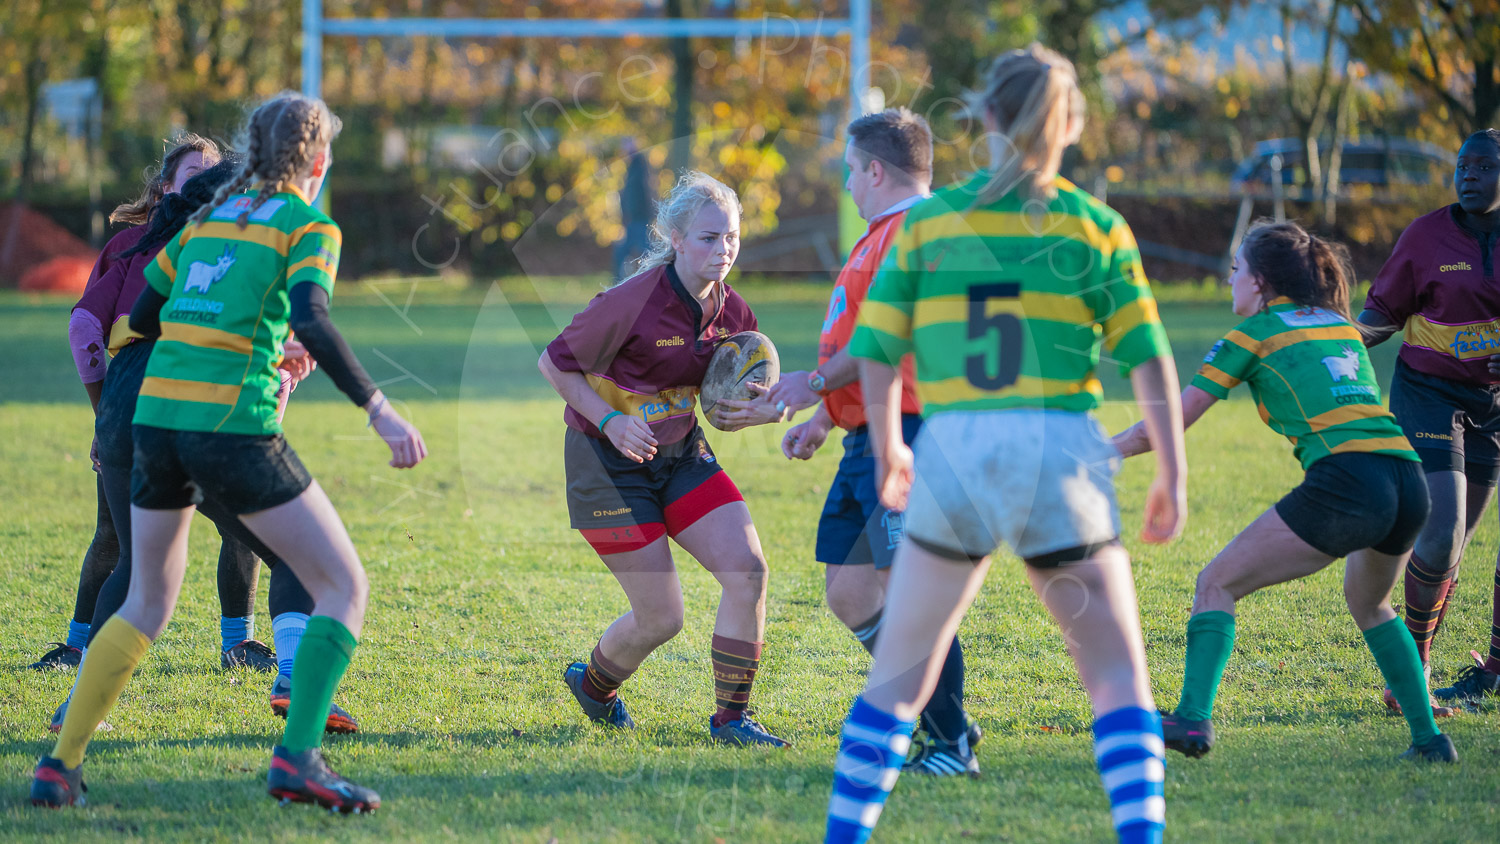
741	360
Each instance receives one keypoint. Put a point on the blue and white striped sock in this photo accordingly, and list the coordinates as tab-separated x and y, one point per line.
286	631
871	751
1128	746
232	631
868	630
78	634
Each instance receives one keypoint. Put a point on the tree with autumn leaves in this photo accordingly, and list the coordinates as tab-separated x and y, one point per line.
544	118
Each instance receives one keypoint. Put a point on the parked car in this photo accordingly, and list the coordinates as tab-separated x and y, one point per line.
1379	162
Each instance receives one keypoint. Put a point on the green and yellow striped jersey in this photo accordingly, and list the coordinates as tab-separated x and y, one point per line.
1311	379
225	320
1008	305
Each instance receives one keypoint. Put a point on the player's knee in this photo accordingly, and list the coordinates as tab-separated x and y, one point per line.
660	627
1215	586
359	589
849	603
1208	581
1439	551
147	613
748	577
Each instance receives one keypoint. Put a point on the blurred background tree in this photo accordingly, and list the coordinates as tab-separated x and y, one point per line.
454	149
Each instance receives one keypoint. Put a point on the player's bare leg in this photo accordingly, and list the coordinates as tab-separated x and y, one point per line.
725	543
649	579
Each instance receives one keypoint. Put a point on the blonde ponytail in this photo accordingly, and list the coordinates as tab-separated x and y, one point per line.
1032	96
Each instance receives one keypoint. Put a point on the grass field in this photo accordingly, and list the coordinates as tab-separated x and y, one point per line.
481	595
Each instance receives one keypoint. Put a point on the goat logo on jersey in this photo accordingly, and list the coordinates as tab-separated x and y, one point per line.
1343	366
202	276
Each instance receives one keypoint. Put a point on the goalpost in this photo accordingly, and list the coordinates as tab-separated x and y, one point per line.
857	26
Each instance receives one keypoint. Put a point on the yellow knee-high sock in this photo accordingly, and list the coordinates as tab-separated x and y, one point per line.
111	659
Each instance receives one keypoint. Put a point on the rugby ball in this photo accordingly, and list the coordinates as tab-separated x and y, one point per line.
744	358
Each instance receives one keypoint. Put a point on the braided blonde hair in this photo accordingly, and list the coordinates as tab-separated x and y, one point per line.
280	141
694	190
1032	94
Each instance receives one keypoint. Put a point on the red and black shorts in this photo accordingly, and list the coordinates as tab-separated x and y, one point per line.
620	505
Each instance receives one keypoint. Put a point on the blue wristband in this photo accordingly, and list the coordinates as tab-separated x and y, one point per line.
608	416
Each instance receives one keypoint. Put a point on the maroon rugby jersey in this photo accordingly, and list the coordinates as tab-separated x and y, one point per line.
639	346
114	286
1439	285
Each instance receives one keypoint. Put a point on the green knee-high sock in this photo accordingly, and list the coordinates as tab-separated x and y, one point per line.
322	656
1210	639
1396	653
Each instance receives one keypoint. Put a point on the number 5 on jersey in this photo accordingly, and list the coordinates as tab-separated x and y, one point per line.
994	360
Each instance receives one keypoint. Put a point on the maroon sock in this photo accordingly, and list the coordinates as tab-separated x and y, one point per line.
603	678
1492	664
735	663
1426	598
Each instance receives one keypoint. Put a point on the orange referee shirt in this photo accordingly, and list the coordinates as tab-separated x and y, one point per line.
846	404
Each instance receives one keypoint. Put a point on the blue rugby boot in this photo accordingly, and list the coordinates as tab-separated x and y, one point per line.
743	732
611	713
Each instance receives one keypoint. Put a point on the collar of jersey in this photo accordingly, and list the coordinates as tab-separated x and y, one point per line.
1280	300
289	188
896	209
691	302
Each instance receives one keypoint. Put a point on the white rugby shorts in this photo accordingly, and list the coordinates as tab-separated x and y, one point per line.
1038	481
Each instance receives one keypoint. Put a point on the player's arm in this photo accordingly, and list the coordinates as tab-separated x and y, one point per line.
1393	292
802	441
1134	336
882	337
1155	386
1375	327
629	434
315	330
881	385
1135	439
794	388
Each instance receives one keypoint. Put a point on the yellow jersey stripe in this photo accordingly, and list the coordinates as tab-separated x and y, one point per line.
1475	337
1131	314
1030	304
887	318
315	262
1380	444
651	407
267	236
205	337
164	264
318	228
1218	376
120	334
199	391
1277	342
1347	413
981	223
952	390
